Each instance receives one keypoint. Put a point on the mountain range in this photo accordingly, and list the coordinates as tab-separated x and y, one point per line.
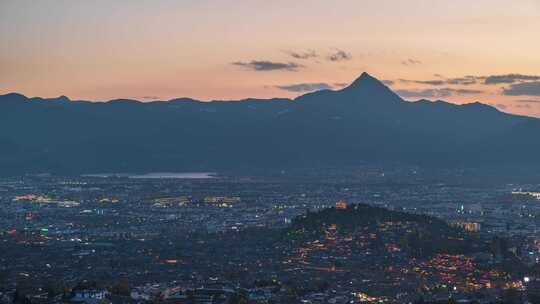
365	122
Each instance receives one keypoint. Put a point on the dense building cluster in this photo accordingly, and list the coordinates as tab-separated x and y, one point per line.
363	237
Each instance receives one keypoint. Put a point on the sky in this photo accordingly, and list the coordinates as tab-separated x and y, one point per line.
459	50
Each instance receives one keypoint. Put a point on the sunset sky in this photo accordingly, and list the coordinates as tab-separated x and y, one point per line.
460	50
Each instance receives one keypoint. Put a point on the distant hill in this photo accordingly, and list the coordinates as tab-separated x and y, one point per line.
419	235
364	122
359	216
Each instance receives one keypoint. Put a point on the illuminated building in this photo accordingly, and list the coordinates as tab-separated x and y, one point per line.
533	194
468	226
341	205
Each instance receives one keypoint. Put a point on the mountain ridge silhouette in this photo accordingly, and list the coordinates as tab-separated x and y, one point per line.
363	122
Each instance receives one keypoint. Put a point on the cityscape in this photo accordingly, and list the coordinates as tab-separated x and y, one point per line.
269	152
367	236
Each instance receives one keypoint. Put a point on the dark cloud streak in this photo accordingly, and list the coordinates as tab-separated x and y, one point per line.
509	78
524	88
467	80
436	93
265	65
305	87
428	82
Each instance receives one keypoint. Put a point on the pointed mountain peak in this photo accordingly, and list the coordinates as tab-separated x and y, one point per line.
365	80
365	77
369	87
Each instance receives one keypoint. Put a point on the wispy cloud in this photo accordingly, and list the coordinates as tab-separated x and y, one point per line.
465	91
265	65
309	54
305	87
339	55
436	93
428	82
523	106
470	79
411	61
427	93
509	78
529	101
523	88
467	80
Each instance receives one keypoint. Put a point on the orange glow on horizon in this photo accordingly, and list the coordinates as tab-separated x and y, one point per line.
167	49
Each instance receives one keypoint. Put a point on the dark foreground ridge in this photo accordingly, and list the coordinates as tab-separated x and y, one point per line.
364	122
